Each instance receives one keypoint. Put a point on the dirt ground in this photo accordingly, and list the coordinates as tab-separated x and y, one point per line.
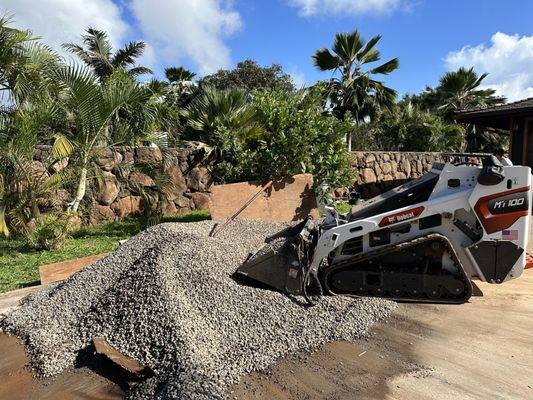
479	350
18	383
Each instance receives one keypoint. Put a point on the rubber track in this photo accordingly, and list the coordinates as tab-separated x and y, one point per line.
398	247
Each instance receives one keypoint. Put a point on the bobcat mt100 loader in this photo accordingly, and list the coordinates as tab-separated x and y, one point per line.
422	241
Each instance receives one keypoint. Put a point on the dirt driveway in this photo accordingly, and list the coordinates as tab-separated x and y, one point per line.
480	350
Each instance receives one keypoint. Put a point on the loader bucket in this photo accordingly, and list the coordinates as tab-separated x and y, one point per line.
277	263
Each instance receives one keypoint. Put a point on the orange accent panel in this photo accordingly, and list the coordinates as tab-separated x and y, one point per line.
494	223
529	261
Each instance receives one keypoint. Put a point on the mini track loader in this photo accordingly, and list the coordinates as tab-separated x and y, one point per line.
423	241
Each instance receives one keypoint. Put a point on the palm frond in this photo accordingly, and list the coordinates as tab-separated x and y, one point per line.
386	68
79	51
347	45
127	55
136	71
362	56
62	147
325	61
97	42
82	85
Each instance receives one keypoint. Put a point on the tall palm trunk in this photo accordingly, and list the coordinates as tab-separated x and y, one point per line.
80	192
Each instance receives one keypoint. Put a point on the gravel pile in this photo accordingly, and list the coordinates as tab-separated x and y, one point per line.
167	299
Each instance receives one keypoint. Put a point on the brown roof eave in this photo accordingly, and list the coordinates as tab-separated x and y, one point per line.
501	122
465	115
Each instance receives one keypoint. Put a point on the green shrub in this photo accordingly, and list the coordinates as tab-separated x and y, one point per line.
50	232
297	138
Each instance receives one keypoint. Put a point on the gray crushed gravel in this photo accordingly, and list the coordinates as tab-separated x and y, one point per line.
167	299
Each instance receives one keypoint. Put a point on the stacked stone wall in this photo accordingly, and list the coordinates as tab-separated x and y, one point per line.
378	171
118	193
115	191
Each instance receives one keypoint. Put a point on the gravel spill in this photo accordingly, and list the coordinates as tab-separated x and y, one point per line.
166	298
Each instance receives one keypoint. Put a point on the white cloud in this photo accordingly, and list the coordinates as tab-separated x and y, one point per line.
346	7
189	28
148	59
508	61
60	21
298	78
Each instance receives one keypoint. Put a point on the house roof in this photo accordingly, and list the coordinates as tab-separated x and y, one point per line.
497	116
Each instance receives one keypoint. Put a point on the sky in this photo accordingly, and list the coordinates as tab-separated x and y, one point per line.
429	37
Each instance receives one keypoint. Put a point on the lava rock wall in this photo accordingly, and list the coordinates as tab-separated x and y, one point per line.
115	191
117	195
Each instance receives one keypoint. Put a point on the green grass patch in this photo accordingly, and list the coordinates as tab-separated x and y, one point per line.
19	264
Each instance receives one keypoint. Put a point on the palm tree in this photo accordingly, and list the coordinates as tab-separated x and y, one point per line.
12	46
177	75
354	91
410	129
460	91
97	107
24	184
134	123
219	115
25	71
23	63
96	51
181	87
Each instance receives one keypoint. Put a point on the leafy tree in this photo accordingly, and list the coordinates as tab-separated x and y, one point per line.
96	52
354	90
250	76
297	138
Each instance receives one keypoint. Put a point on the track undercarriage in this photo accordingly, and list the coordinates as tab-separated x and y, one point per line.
423	269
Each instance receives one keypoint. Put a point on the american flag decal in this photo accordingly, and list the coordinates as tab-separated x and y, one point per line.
510	234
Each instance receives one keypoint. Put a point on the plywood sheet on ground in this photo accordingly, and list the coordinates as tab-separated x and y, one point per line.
62	270
290	199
